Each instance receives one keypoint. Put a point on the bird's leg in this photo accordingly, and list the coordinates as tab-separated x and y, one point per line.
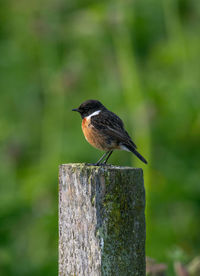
99	161
104	162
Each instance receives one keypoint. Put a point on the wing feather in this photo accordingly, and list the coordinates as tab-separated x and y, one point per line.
110	125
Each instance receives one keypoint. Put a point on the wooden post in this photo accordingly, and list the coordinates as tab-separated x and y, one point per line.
101	221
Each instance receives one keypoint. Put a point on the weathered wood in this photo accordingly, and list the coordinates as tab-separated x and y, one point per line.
101	221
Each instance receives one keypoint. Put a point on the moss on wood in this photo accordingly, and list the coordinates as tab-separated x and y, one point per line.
114	198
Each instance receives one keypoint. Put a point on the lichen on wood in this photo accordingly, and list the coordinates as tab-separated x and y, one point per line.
101	221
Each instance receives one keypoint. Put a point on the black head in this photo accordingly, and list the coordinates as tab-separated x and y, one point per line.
88	107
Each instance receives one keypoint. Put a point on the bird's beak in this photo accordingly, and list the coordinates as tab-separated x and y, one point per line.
75	109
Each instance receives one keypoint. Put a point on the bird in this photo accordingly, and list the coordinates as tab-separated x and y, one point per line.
104	130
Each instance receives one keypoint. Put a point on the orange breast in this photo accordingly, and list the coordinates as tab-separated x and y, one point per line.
93	136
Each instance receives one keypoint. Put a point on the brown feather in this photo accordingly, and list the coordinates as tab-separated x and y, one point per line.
95	137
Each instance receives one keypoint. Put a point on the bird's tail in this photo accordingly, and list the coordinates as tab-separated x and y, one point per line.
133	150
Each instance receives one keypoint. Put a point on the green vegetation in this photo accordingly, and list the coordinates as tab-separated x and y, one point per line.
141	59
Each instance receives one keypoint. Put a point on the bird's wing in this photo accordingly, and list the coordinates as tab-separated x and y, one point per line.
111	125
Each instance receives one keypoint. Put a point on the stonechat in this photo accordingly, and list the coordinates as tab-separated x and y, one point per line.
104	130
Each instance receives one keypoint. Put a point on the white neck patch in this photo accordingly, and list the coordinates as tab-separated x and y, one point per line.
93	114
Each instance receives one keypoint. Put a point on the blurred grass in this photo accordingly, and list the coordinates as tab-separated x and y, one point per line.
141	59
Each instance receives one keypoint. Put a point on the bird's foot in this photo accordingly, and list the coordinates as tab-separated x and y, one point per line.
93	164
96	164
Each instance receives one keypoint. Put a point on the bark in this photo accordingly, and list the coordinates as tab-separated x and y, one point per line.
101	221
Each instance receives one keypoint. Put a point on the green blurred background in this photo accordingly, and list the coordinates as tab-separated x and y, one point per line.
141	59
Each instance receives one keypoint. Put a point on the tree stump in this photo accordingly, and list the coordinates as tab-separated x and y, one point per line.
101	221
